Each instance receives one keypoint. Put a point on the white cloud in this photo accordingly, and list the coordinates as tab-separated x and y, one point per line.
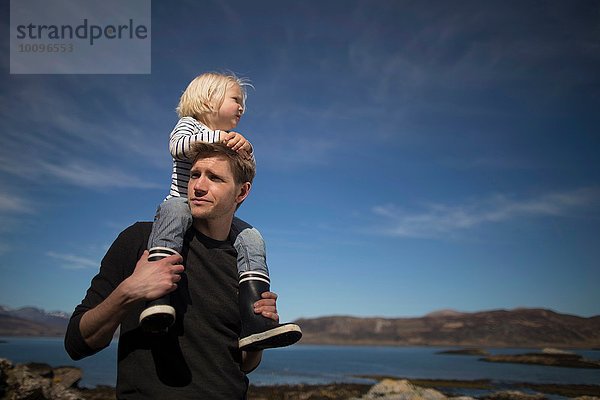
4	248
293	153
508	162
70	261
77	173
13	204
442	219
93	176
76	138
57	148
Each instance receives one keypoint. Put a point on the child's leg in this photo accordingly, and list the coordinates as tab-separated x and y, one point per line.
258	332
172	220
250	246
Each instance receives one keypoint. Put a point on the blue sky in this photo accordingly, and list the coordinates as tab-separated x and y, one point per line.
412	155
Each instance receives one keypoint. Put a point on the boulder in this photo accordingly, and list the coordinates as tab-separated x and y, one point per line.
514	395
392	389
5	365
36	381
67	376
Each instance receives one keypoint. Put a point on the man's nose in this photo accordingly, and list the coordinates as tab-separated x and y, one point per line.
200	184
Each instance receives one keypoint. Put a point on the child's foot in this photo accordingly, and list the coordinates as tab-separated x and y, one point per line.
157	318
158	315
259	332
279	336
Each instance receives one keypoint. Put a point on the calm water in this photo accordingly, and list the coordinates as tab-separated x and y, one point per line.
325	364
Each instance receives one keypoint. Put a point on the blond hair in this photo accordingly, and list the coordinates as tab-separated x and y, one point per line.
205	94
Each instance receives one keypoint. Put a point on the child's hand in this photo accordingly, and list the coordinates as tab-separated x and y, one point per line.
237	142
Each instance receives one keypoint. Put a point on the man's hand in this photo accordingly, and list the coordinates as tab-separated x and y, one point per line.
267	306
237	142
153	279
150	280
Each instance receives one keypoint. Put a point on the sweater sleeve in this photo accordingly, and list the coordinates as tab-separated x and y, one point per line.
188	131
118	263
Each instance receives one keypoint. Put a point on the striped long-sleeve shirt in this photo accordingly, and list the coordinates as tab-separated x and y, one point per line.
186	132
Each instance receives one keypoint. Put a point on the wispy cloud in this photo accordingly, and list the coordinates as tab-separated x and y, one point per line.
92	142
70	261
13	204
294	152
436	220
76	173
92	176
69	146
510	162
4	248
448	50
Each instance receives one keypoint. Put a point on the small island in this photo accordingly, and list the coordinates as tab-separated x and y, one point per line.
465	352
551	359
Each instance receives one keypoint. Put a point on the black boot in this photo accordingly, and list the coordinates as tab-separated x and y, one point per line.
158	315
258	332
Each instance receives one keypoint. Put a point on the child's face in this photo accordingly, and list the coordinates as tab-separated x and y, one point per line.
230	112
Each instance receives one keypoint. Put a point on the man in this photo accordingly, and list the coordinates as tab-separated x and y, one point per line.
199	357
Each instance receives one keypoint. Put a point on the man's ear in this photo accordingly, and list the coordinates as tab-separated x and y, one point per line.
244	191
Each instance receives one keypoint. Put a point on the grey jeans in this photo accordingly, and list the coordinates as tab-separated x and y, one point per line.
173	219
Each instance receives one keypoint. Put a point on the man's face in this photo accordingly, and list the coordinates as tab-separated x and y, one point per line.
212	191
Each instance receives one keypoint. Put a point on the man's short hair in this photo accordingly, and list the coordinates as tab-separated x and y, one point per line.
243	169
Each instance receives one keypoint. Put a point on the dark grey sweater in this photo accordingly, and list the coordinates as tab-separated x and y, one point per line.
199	358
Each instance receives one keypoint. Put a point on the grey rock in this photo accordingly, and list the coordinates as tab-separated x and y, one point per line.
37	381
391	389
514	395
67	376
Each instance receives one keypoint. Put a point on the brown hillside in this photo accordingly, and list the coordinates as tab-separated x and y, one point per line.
514	328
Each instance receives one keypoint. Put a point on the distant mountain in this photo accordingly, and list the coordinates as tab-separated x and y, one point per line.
498	328
522	327
30	321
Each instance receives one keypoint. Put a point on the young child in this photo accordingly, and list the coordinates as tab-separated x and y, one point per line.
209	109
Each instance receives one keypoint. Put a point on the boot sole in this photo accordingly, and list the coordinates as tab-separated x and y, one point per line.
157	319
281	336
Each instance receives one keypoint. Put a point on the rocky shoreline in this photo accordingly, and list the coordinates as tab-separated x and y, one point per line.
43	382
